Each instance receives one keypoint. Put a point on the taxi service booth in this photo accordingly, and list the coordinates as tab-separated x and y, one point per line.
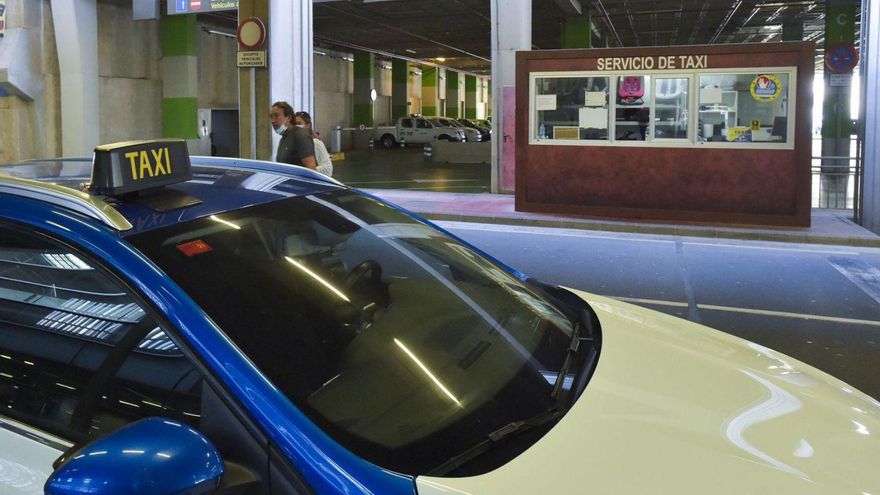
715	134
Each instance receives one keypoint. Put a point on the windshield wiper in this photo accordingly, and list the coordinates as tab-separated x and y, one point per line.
573	345
497	437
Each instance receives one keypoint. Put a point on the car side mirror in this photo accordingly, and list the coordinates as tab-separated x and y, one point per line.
155	456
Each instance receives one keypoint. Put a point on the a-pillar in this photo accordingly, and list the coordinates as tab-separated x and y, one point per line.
429	90
453	94
76	40
871	104
399	89
576	32
511	31
180	77
364	73
836	118
254	103
470	97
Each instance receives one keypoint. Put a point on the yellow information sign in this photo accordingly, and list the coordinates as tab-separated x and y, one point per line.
252	58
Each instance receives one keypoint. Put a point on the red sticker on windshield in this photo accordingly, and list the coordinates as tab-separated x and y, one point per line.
193	248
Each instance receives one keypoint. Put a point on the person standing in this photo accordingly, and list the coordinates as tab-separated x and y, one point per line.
304	121
296	146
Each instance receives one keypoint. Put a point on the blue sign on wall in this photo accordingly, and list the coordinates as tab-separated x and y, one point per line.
197	6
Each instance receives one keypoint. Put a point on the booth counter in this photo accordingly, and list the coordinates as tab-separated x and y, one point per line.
716	134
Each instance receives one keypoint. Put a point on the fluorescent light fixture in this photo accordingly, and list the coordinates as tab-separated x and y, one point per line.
440	59
407	50
427	372
318	278
224	222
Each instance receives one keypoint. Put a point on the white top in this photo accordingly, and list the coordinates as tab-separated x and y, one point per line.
322	157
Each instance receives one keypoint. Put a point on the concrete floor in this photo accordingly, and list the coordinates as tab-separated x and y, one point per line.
409	169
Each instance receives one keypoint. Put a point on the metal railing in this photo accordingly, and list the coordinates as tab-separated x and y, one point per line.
837	180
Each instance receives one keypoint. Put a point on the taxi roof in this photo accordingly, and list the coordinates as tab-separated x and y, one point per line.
217	185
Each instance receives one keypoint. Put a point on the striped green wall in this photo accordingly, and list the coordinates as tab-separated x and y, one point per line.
429	91
179	40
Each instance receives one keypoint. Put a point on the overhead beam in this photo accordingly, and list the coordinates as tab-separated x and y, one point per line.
570	6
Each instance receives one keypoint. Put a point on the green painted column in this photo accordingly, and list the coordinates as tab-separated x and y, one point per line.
488	97
180	102
836	120
399	88
429	91
453	94
576	32
364	72
470	97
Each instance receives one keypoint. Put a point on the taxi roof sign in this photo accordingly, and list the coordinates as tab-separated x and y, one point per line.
131	166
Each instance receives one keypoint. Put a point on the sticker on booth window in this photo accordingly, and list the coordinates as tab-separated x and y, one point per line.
766	88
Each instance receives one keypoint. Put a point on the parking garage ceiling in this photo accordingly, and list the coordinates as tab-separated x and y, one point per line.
456	33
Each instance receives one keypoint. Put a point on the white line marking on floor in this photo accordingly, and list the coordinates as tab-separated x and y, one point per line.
658	302
763	312
863	275
769	248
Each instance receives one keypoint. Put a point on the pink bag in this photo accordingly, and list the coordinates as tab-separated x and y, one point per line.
630	91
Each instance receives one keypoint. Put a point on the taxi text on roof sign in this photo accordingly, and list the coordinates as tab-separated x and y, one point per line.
126	167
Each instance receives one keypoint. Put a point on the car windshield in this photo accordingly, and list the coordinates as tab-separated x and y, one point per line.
405	345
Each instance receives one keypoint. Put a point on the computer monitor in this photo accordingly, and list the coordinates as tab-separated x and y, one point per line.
780	127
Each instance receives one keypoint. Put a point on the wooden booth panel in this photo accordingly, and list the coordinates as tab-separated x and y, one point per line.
686	183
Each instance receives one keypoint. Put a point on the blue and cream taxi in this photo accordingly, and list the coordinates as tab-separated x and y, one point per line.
193	325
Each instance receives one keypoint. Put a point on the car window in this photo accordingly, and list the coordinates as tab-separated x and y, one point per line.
78	356
407	123
403	344
423	124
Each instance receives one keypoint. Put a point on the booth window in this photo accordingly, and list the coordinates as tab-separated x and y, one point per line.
671	108
632	116
750	107
573	108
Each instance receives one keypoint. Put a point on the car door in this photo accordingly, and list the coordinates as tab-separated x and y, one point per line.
406	130
424	132
81	356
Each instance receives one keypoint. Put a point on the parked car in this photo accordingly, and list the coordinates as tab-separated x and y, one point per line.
485	130
237	326
472	135
415	130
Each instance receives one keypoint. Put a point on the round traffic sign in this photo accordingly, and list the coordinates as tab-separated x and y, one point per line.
251	33
841	58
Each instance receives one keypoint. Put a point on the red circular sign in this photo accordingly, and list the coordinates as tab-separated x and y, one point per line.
251	33
841	58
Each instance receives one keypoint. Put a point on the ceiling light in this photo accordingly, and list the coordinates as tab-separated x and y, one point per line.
409	51
440	59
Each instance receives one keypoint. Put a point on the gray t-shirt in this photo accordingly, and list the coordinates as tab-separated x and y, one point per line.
294	146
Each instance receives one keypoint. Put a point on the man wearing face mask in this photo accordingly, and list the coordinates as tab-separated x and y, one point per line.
296	146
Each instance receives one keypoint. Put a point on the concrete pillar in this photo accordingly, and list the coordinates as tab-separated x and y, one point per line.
453	94
291	59
254	103
576	32
429	90
836	118
76	40
180	77
399	88
364	74
870	65
511	31
793	31
470	97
